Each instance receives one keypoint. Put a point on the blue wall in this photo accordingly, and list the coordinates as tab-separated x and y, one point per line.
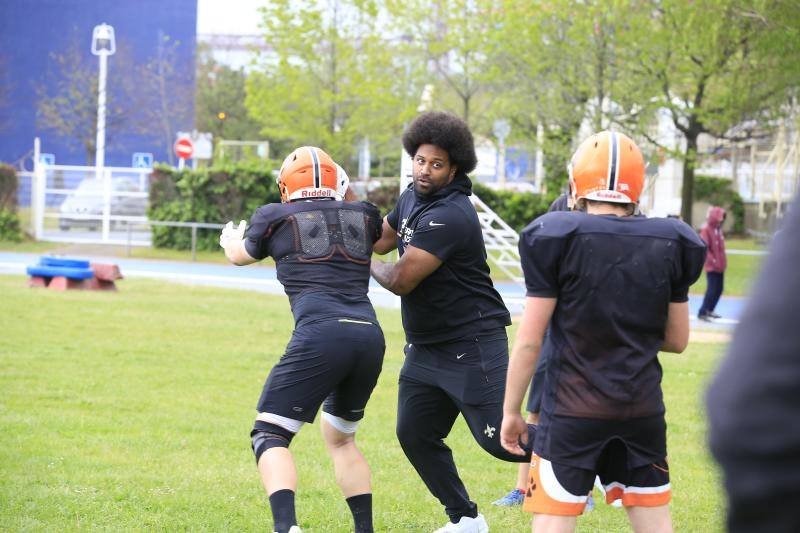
31	29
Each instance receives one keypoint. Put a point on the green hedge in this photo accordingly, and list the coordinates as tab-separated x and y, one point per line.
10	229
9	221
234	191
384	197
212	195
719	191
517	209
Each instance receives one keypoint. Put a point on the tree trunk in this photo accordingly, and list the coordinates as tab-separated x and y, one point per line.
689	161
91	151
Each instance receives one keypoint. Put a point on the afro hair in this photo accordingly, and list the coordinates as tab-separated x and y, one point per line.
449	133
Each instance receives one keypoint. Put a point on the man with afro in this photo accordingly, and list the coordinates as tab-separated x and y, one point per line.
454	319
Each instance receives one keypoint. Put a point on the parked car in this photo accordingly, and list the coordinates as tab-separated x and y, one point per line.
84	206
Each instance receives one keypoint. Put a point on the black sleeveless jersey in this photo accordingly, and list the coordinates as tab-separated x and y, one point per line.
322	251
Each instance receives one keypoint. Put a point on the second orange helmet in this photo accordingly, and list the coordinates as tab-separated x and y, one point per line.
607	167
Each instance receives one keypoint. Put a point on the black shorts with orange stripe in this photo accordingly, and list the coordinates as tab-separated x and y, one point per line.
579	442
558	489
629	456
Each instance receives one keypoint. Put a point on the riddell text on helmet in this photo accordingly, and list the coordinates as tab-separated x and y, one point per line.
607	194
315	193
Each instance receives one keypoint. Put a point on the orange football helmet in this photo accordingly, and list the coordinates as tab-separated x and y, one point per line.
308	173
607	167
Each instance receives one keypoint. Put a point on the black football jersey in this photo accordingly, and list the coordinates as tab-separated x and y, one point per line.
322	251
458	299
614	278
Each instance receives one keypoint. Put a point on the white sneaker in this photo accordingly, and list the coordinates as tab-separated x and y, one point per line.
295	529
466	525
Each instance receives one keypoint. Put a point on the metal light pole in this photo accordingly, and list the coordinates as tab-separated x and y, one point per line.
501	130
103	45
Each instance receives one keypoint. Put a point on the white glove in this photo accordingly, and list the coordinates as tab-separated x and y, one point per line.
229	233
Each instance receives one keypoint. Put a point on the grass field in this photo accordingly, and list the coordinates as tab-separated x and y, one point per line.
739	275
131	411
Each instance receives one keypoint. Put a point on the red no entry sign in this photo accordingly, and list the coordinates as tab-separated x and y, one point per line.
184	148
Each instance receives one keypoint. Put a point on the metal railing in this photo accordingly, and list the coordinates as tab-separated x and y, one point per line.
193	225
500	240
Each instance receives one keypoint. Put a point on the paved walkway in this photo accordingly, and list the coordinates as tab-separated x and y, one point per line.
264	279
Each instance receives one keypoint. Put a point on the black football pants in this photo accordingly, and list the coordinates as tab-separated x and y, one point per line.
436	384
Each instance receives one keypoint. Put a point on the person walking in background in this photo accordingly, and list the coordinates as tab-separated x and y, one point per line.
711	233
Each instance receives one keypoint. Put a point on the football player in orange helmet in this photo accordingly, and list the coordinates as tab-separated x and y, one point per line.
308	172
613	289
336	351
607	167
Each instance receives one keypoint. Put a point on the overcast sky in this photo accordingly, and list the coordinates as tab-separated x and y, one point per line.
228	16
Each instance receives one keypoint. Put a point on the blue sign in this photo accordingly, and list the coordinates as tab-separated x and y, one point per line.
518	163
142	160
47	159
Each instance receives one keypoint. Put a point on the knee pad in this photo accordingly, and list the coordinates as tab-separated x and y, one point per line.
266	435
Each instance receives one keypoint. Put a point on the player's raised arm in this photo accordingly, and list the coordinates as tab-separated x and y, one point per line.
232	241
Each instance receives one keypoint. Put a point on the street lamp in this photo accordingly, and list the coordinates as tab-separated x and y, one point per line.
103	45
501	130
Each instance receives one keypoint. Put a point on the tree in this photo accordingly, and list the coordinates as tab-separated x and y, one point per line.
451	41
711	65
330	79
147	97
557	69
219	101
67	99
162	95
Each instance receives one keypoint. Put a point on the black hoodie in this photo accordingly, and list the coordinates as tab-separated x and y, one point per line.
458	299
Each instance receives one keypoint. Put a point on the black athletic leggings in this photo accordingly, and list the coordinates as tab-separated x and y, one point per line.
436	384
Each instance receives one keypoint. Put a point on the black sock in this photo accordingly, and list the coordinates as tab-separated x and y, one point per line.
282	504
471	511
361	507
